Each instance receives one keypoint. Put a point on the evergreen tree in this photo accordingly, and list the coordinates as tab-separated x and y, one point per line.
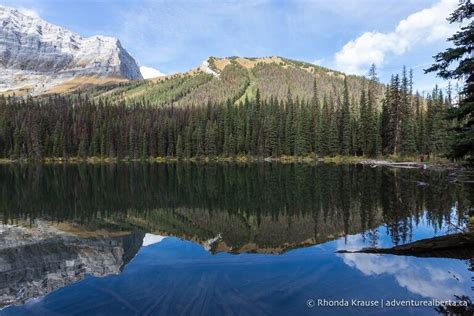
316	119
386	131
211	139
370	128
419	124
363	140
408	145
333	137
457	63
180	147
289	125
303	126
325	128
345	122
395	114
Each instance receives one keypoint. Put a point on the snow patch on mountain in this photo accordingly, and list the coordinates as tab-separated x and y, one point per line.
205	68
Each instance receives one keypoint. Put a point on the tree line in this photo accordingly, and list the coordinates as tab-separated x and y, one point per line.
402	123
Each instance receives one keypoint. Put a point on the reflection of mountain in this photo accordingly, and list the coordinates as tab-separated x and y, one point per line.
35	261
241	233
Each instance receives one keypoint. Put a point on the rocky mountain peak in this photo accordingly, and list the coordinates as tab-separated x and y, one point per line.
36	56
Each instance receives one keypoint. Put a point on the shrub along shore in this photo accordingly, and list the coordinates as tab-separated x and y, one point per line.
408	162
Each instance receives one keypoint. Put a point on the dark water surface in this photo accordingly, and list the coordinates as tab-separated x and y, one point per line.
217	239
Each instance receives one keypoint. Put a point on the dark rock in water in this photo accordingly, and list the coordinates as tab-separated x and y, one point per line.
131	244
456	246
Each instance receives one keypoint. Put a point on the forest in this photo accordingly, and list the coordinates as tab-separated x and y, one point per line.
403	123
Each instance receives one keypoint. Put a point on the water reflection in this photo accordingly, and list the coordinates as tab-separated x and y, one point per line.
35	261
63	222
430	278
263	208
176	277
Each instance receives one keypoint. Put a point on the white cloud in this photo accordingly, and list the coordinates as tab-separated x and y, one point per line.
29	12
427	25
428	277
149	72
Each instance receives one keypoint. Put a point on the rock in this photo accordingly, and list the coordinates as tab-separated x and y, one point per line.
456	246
37	55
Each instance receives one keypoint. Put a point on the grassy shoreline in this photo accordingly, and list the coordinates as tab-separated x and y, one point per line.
311	159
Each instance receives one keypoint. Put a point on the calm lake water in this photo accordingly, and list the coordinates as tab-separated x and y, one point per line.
224	239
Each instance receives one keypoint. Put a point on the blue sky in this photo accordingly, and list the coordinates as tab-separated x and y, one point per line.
346	35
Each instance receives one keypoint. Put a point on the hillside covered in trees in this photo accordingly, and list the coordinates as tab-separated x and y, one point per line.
233	78
341	115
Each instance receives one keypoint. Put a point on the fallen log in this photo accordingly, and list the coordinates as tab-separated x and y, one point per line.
408	164
456	246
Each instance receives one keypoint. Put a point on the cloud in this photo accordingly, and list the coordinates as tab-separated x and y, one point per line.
431	278
425	26
149	72
151	239
29	12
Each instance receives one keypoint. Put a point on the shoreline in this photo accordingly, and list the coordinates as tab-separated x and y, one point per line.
394	162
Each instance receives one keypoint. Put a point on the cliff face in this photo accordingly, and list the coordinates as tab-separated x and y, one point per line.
36	261
37	55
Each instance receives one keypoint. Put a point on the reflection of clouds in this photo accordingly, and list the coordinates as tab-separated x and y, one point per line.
429	278
151	239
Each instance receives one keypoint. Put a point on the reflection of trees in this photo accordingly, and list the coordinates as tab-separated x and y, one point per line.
395	205
368	185
317	201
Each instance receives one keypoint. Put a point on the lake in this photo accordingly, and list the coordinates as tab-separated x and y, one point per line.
225	239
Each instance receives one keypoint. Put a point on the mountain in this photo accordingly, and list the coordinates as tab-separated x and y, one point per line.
38	57
235	78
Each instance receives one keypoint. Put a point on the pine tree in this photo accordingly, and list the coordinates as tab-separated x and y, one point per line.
180	147
303	126
210	139
333	137
371	116
228	125
248	124
364	138
316	119
461	58
325	128
408	145
395	115
144	151
289	125
240	129
385	124
231	145
419	124
345	122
